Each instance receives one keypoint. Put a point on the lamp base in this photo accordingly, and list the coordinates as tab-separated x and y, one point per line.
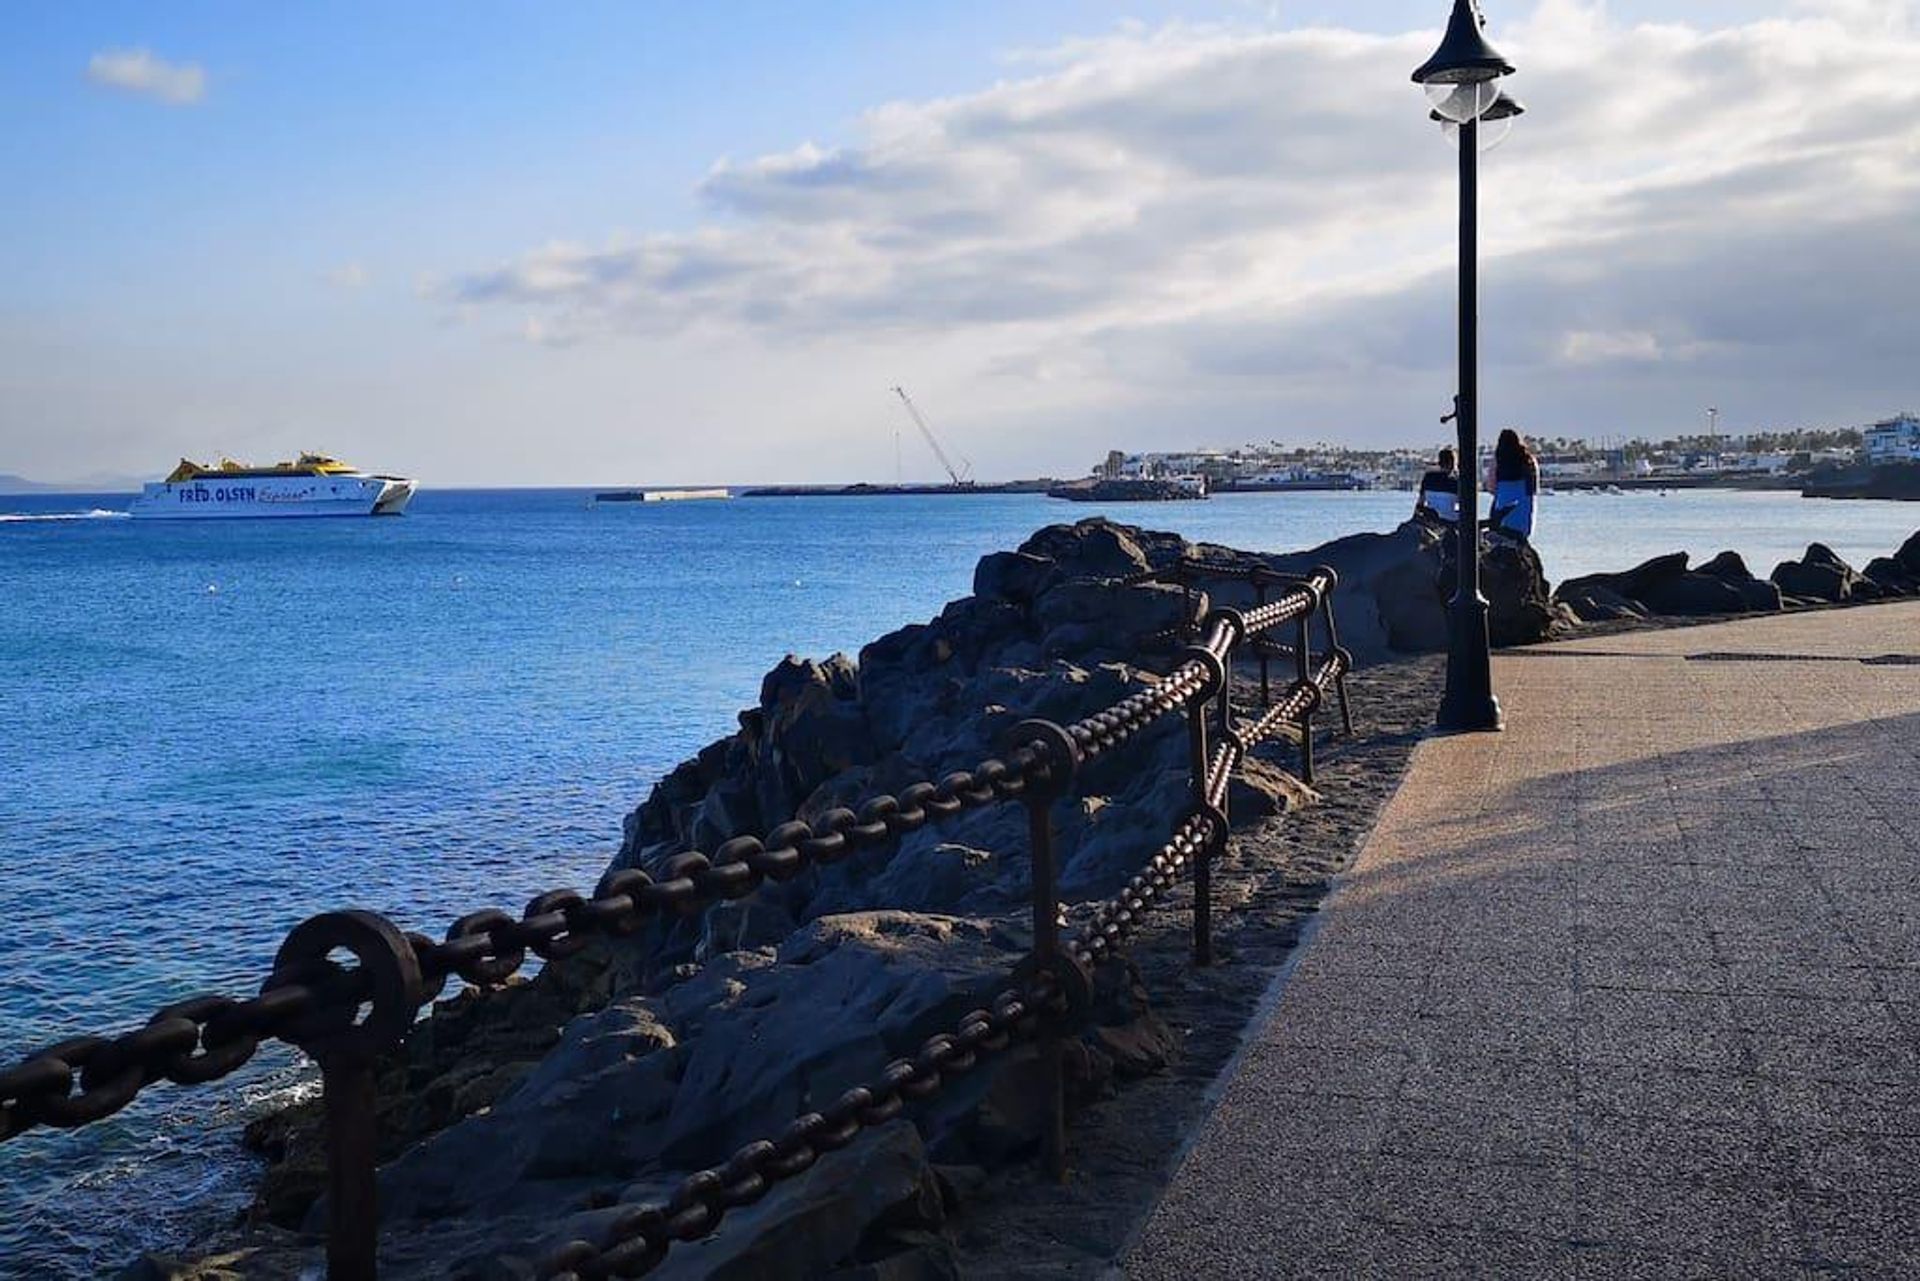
1470	716
1468	705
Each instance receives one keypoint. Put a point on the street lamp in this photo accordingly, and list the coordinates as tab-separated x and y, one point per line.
1461	81
1500	116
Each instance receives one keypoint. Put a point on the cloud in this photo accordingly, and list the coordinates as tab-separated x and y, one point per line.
1261	221
351	275
1595	347
178	84
1887	16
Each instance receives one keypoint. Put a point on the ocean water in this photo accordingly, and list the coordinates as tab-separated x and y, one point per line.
215	729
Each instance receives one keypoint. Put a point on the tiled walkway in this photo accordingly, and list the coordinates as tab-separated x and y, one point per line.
1632	989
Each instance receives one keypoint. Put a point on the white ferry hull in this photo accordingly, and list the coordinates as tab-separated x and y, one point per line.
269	496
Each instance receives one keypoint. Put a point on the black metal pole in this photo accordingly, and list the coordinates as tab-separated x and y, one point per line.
1340	681
1260	643
1468	703
1046	950
1203	861
353	1215
1303	665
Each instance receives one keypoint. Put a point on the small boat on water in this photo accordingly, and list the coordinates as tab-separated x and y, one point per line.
660	495
310	485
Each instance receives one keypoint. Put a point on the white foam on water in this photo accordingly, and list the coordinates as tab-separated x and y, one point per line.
29	518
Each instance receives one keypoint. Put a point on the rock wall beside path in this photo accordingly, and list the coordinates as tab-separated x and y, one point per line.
1053	629
1394	588
1668	586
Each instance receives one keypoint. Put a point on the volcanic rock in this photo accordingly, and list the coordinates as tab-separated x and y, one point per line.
1909	555
1665	585
677	1080
1892	577
1820	575
1391	599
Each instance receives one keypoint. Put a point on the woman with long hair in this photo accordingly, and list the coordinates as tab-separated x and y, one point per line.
1516	485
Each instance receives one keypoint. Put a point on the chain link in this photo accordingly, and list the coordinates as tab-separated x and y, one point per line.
1112	922
638	1239
89	1078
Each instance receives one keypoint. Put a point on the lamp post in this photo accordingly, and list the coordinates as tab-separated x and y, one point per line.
1461	80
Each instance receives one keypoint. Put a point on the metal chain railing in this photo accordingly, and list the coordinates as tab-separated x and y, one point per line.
638	1239
345	1017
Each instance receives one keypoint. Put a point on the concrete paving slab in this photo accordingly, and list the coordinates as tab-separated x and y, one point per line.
1632	989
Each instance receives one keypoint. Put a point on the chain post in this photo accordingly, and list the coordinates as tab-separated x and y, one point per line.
1303	660
353	1213
1062	756
1333	645
1260	643
1202	865
1187	620
1224	702
1220	679
347	1049
1222	665
1046	949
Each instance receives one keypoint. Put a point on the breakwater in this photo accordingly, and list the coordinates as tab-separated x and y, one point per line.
866	490
1672	586
1899	482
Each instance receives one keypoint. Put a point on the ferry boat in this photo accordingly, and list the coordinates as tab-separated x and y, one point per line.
310	485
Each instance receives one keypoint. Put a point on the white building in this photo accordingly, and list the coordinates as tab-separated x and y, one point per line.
1896	440
1571	468
1773	461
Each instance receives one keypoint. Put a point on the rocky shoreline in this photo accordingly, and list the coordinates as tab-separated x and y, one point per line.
520	1117
1127	490
1668	586
1897	481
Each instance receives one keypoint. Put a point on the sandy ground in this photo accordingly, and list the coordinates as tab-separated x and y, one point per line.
1267	890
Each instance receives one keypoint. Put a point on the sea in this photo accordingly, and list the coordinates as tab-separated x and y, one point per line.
214	729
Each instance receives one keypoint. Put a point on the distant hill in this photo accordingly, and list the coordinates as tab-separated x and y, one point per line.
12	484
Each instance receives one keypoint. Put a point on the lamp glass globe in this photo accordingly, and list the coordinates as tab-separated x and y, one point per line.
1489	134
1464	101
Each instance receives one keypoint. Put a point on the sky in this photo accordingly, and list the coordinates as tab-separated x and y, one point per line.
606	243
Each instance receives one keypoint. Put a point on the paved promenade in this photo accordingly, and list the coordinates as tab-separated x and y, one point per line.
1632	989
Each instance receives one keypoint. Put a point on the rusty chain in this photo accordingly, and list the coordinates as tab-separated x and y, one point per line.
1111	923
1305	594
85	1079
638	1238
1301	700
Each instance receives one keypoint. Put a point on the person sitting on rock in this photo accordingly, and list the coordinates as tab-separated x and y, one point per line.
1514	480
1439	497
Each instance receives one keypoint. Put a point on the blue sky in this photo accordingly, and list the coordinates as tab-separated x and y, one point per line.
351	238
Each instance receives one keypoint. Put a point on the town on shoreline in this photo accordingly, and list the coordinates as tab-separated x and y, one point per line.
1878	461
1823	462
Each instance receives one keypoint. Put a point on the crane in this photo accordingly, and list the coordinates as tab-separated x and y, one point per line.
963	475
